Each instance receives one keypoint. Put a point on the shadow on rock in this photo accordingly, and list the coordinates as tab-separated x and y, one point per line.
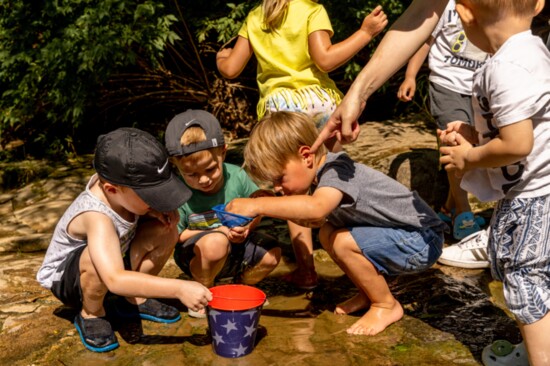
460	307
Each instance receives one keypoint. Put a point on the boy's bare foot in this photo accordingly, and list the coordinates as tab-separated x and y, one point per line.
353	304
377	319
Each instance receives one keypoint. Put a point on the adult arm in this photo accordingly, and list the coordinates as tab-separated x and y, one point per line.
399	44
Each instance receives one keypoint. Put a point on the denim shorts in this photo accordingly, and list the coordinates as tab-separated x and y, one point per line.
519	252
241	257
395	251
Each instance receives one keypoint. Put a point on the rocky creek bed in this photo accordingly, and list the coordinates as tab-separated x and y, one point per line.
450	313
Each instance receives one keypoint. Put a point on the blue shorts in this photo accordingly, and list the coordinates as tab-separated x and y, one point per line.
395	251
241	257
519	252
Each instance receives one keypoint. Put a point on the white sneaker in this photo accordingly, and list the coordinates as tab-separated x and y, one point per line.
470	252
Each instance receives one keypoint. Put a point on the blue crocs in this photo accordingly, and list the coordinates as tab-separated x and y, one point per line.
465	224
96	333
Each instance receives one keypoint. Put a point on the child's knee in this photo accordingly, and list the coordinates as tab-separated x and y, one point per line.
213	247
272	257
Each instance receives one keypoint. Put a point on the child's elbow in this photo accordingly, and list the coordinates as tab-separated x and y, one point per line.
325	66
228	71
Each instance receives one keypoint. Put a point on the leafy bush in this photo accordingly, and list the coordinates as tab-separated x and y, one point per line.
55	54
71	69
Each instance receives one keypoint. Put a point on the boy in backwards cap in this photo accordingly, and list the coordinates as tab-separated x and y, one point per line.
116	237
206	249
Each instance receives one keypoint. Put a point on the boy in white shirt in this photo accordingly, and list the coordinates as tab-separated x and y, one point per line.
510	161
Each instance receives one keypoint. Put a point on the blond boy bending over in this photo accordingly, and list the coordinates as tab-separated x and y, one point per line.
371	225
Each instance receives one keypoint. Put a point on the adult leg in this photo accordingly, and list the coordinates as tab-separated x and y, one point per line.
536	340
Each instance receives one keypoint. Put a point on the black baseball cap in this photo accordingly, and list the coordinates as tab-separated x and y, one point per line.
191	117
134	158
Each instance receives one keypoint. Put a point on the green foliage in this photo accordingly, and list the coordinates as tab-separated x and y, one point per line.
71	69
55	54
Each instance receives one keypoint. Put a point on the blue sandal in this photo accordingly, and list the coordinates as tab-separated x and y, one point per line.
96	333
465	224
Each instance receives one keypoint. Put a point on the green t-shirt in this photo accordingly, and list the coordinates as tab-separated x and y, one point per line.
197	213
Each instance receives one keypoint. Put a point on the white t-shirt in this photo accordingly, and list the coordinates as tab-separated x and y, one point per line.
452	58
514	85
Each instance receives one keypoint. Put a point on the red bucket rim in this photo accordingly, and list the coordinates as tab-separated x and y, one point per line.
236	297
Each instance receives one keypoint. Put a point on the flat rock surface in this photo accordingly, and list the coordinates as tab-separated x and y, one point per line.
450	313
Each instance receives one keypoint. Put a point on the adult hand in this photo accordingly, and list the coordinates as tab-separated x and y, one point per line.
343	123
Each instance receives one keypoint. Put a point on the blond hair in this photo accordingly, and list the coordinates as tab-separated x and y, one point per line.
193	135
511	7
274	12
275	140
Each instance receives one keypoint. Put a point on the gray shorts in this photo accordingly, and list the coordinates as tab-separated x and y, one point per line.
448	106
519	251
241	257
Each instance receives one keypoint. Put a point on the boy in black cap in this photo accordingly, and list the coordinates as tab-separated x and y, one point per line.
206	249
116	237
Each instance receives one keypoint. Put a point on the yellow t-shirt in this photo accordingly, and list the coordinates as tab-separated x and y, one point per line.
284	62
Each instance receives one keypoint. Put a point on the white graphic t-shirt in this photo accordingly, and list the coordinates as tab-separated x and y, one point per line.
514	85
452	58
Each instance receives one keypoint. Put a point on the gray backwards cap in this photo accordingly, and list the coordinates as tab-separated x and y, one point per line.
182	121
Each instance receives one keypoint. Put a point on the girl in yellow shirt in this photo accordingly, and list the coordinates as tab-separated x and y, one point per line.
291	41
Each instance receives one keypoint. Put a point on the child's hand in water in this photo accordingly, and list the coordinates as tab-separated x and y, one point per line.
375	22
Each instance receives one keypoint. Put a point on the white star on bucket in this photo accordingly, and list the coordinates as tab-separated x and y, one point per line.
213	314
250	330
217	338
229	326
241	350
250	313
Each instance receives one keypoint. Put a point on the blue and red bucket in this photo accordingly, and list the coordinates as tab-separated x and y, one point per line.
233	318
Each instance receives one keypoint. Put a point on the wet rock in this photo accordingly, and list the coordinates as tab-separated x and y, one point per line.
450	314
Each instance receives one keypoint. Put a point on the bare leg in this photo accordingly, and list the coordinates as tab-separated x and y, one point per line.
537	341
302	244
211	252
262	269
353	304
93	288
457	195
384	308
150	249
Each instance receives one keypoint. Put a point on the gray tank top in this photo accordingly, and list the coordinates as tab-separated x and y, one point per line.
62	244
